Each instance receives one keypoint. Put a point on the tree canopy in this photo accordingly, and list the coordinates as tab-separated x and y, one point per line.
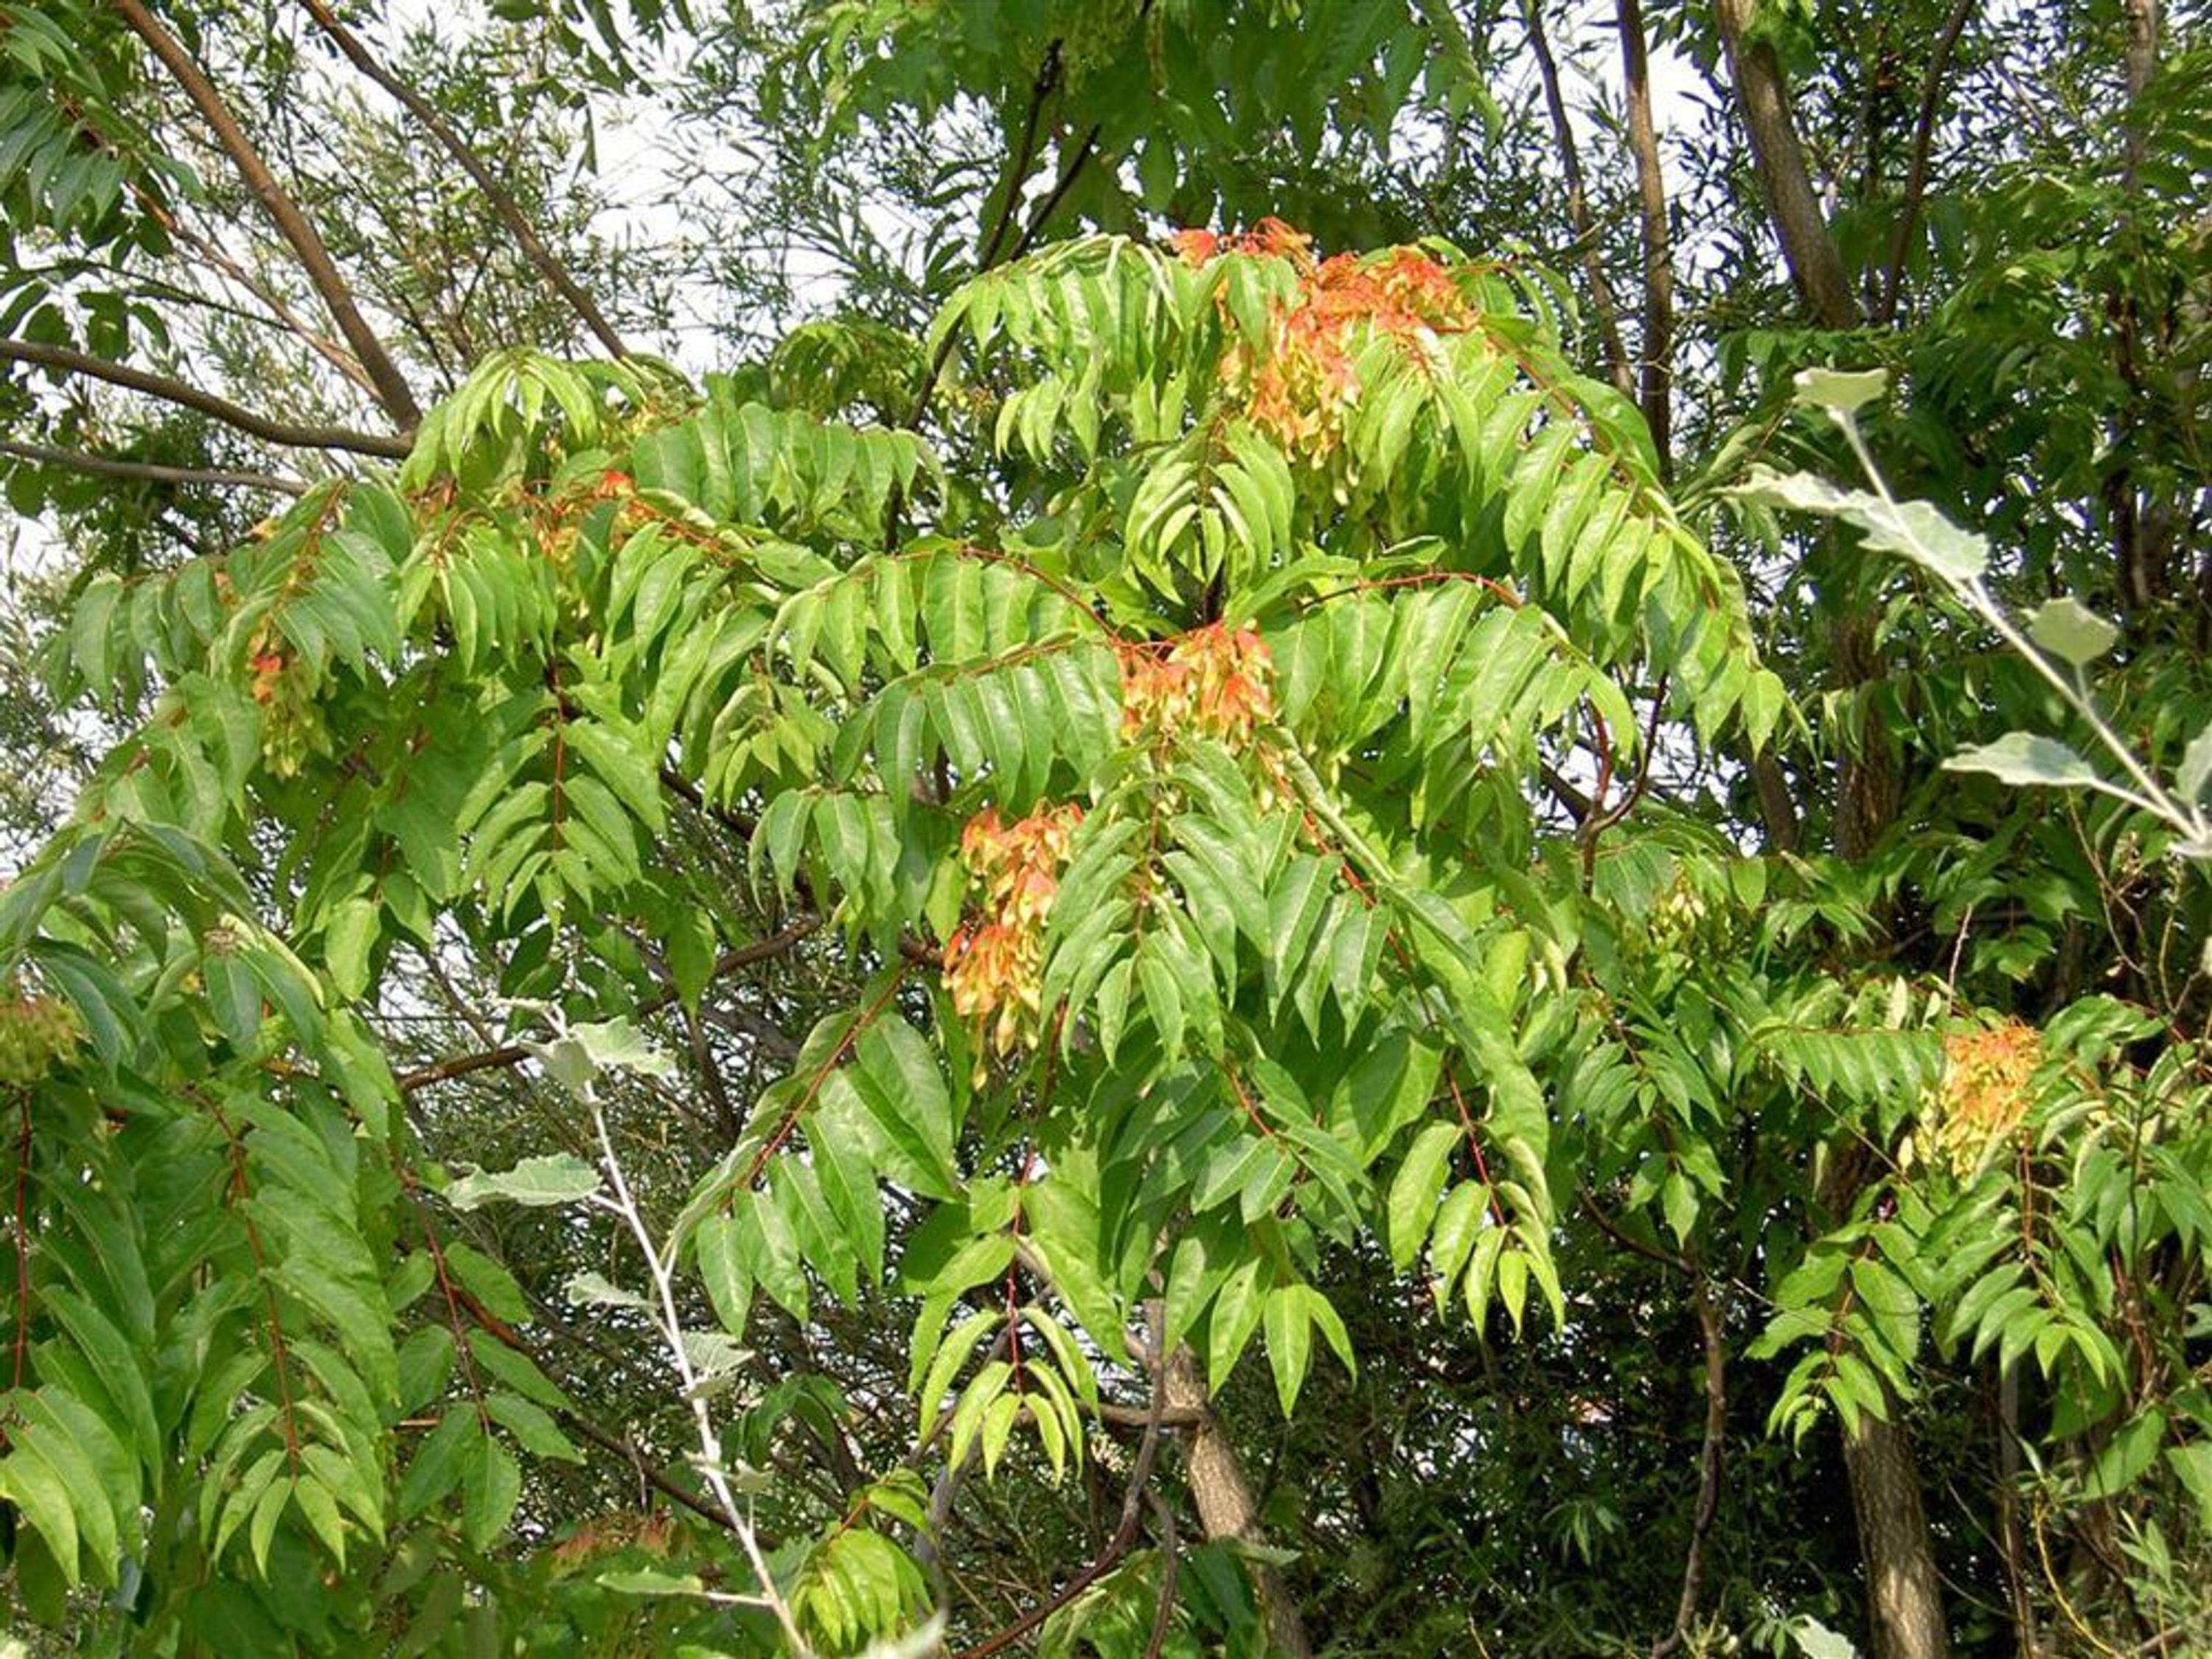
1106	827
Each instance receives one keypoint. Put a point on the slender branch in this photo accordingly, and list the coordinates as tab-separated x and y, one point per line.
63	361
1125	1532
1020	160
110	466
212	254
391	389
660	1265
1923	138
1022	244
729	962
1711	1451
1602	302
1170	1561
1057	194
503	201
1656	372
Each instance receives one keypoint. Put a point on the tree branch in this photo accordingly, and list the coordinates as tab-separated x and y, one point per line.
66	361
1656	374
1924	137
109	466
391	388
729	962
503	201
1709	1454
1816	264
210	251
1570	164
1125	1532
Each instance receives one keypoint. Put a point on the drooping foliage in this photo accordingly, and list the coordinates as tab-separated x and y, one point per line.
735	1011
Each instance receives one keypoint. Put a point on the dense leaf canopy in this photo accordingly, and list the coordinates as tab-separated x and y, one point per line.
1119	827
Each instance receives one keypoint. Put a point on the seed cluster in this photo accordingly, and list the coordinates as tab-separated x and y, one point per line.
1215	681
286	685
994	969
1985	1091
36	1033
1306	377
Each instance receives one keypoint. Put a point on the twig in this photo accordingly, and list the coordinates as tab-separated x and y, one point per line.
66	361
110	467
1125	1534
729	962
503	201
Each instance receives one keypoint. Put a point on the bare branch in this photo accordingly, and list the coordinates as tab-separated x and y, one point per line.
1656	374
1924	137
110	467
547	264
391	389
1570	164
65	361
212	254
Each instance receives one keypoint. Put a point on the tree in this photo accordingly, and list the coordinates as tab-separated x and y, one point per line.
732	1010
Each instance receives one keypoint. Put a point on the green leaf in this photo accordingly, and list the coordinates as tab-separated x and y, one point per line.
1412	1207
1290	1341
2025	758
491	1485
1840	391
2070	631
536	1183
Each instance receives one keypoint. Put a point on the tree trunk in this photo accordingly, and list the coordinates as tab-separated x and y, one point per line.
1904	1593
1816	265
1225	1509
1904	1601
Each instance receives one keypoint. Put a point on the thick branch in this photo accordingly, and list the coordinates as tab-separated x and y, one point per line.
503	201
391	389
1608	312
109	466
1816	264
1226	1508
1656	376
1923	138
65	361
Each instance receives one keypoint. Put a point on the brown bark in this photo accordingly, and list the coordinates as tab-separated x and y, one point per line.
1816	265
1224	1498
391	389
1655	377
63	361
1904	1596
1904	1593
